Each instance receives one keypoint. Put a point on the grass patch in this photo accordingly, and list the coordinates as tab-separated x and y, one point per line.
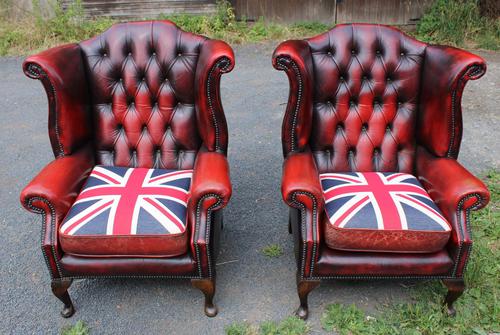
289	326
478	309
78	329
240	328
459	23
272	250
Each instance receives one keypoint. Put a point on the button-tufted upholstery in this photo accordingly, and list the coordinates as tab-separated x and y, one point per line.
140	95
369	98
366	89
142	86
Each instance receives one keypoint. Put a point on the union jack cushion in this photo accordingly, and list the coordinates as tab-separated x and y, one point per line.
129	211
386	212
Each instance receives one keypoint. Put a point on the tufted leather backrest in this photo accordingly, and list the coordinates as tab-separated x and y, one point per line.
365	98
142	85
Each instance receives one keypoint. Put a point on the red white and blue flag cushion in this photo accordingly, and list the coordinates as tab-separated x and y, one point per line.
143	206
374	211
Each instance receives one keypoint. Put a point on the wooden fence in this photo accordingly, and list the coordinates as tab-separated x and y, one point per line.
398	12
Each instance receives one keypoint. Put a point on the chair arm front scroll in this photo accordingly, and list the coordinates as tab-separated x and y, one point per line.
301	189
456	192
445	73
294	57
210	191
216	58
62	74
51	193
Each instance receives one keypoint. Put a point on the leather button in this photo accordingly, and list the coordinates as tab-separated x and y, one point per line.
341	78
376	151
364	127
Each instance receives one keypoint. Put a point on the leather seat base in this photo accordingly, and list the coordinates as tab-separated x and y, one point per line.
74	266
348	263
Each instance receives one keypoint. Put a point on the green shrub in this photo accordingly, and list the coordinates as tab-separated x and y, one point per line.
459	23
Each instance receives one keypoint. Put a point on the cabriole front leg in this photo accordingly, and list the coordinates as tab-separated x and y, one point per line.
207	286
304	287
60	289
455	289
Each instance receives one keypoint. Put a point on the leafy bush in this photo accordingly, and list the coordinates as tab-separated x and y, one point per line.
459	23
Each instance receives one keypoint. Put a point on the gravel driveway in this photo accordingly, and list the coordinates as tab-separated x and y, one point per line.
250	286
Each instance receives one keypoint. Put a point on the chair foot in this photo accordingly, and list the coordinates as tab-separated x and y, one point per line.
455	289
60	290
207	286
304	287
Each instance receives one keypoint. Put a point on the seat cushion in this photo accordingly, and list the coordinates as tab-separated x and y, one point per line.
129	212
385	212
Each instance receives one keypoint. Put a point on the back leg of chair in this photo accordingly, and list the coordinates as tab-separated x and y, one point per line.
304	287
455	289
207	286
60	289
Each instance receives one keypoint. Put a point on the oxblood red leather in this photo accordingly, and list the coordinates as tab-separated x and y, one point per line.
141	94
363	98
62	74
211	190
444	76
340	263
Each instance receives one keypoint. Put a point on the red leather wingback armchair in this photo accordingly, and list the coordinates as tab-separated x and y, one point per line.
137	127
368	98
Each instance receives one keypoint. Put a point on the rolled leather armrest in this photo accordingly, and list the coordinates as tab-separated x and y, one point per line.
449	184
58	184
294	57
301	189
61	71
216	57
300	176
211	178
210	190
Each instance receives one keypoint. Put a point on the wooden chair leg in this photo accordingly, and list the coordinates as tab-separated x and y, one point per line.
207	286
455	289
304	287
60	289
